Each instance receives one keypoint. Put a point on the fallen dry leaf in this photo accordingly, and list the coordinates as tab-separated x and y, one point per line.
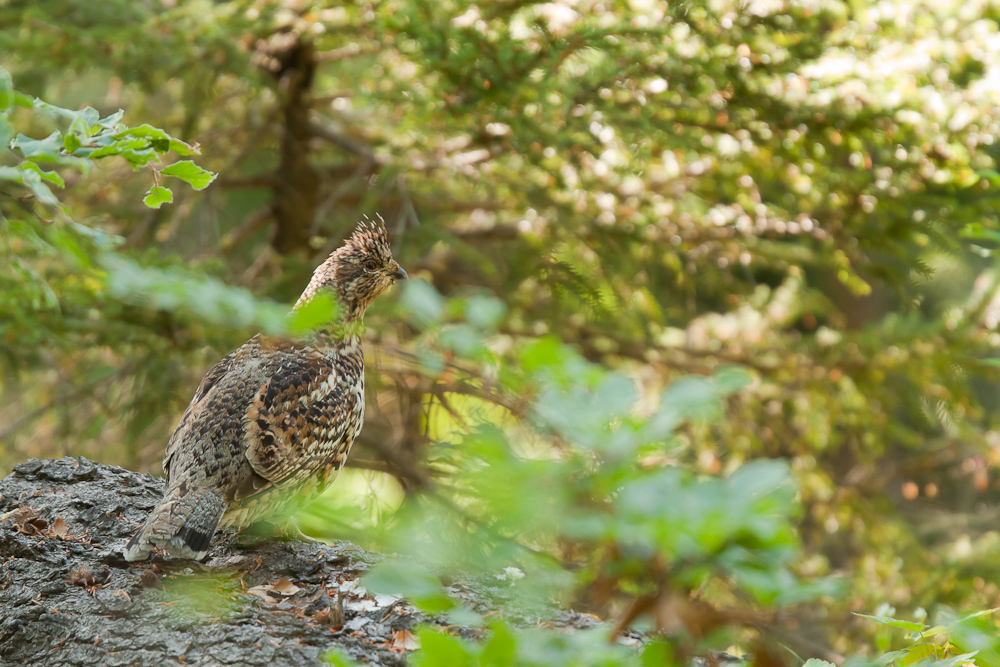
59	528
19	515
34	526
285	587
149	579
274	593
323	616
82	576
263	592
26	520
405	640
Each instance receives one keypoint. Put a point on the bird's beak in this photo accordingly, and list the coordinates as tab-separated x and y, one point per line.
399	274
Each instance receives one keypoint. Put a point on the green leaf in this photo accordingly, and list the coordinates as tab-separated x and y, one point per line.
6	90
159	140
318	311
438	649
112	122
410	579
461	338
501	648
53	110
81	128
816	662
761	477
44	149
50	176
891	657
22	100
920	653
82	118
6	131
956	660
977	232
731	379
71	142
41	191
656	654
157	196
180	290
485	312
137	151
984	612
337	658
896	623
687	398
542	352
989	174
421	302
188	171
11	174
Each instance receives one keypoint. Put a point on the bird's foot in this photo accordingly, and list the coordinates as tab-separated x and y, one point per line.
250	537
265	531
291	531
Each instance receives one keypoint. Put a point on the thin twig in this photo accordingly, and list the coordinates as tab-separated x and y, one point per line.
62	399
335	137
251	224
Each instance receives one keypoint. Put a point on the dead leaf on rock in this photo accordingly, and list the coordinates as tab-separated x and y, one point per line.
385	600
274	593
19	515
405	640
59	528
82	576
33	526
285	587
26	520
149	579
263	593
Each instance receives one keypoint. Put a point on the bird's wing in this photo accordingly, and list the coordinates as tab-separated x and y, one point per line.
300	422
210	380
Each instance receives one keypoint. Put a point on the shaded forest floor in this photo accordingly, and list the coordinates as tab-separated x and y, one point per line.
67	597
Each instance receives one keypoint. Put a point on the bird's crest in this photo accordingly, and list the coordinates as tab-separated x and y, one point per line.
369	238
358	271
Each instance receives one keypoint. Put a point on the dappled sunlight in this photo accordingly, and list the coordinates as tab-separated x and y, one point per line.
700	334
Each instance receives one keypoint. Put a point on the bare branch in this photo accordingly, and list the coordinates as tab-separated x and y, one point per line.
62	398
250	224
331	134
352	50
260	181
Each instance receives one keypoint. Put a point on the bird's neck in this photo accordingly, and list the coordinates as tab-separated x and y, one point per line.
340	331
347	323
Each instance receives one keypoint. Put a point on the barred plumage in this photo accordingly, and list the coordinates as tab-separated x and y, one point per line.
273	422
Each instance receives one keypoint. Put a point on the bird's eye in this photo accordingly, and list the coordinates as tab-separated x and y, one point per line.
370	265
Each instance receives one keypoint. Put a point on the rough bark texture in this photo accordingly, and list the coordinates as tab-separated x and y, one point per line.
296	194
67	597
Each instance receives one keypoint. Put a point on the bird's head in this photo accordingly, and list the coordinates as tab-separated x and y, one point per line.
358	271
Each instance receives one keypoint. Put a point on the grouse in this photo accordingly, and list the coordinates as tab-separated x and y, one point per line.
272	423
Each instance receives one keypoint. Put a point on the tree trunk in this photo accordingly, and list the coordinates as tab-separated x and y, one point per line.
296	191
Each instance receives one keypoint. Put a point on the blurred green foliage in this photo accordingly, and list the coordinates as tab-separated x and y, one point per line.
705	309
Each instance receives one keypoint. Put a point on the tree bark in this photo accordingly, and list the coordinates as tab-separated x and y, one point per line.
296	188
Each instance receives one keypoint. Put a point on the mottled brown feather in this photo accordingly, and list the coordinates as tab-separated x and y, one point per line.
272	423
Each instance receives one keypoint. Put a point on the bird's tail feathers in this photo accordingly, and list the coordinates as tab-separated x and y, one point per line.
182	524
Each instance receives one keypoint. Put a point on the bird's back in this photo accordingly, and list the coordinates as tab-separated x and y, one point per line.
272	423
269	427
